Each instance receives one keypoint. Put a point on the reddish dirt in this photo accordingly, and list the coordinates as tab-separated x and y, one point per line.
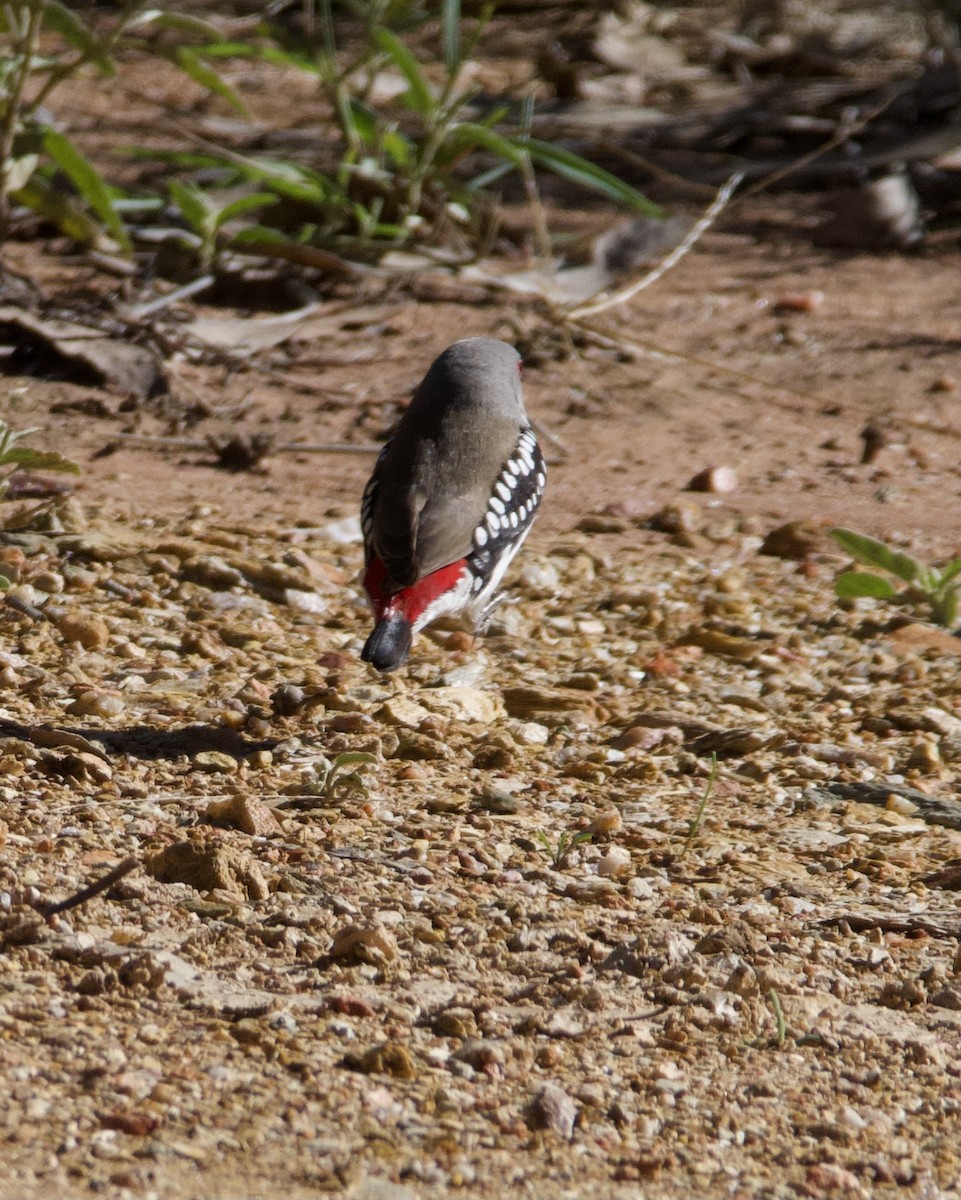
724	378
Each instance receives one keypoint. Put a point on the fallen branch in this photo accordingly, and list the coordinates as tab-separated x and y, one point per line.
694	235
130	863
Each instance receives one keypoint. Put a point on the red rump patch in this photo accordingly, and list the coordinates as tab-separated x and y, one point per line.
411	601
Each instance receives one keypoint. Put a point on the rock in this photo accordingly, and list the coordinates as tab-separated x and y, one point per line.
552	1108
525	702
419	747
714	479
600	523
607	822
642	738
796	540
499	801
372	944
97	703
245	813
400	710
91	631
831	1177
528	733
208	865
215	762
390	1058
922	639
79	765
616	862
464	704
713	640
539	579
211	571
288	699
683	516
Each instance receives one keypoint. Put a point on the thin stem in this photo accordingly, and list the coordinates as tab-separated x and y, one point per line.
10	118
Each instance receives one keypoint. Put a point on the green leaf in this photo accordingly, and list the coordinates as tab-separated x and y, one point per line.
72	29
419	96
41	460
244	204
353	758
945	608
194	205
587	174
876	554
951	571
853	584
89	183
468	135
450	25
191	64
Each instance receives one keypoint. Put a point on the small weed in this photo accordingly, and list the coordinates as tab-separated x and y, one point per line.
340	777
698	817
560	851
780	1023
26	459
936	587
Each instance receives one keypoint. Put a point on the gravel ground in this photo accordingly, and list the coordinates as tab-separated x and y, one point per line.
499	952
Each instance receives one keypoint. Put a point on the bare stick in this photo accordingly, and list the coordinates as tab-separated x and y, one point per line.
136	312
694	235
124	867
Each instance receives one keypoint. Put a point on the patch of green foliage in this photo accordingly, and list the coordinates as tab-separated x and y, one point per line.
49	43
417	167
934	587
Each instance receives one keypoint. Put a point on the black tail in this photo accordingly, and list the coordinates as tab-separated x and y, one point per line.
389	644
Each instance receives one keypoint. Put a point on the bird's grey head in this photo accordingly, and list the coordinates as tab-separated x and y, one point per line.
476	372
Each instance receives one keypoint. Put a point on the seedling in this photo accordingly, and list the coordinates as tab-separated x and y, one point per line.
340	777
24	458
937	587
780	1023
560	851
698	817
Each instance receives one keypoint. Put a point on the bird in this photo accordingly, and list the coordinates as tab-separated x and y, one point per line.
451	498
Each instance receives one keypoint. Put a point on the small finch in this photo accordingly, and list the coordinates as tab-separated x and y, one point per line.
452	497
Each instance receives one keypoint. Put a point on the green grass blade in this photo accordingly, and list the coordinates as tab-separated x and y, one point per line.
419	96
450	25
944	608
244	204
77	33
852	585
587	174
88	181
193	204
40	196
876	554
951	571
468	135
193	65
